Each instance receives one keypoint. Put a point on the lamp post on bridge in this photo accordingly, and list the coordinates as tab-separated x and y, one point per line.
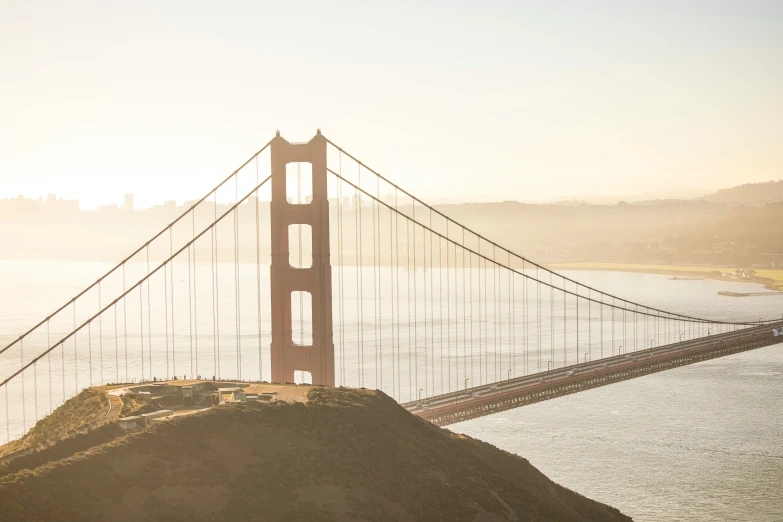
585	357
651	343
420	390
620	350
681	334
501	379
548	363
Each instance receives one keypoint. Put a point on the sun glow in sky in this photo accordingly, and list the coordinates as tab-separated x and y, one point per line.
460	101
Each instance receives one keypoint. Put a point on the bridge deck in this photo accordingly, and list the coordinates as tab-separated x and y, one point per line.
492	398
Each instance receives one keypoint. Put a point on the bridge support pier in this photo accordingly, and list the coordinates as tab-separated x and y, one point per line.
287	357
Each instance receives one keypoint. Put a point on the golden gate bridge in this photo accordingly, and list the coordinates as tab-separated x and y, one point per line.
307	265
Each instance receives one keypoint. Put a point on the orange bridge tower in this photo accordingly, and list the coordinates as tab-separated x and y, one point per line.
287	357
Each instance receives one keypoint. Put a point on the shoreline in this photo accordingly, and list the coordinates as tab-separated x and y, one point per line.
769	283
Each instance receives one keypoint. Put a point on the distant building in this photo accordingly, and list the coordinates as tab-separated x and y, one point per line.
128	205
108	208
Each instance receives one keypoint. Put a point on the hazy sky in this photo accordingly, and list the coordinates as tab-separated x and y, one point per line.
459	100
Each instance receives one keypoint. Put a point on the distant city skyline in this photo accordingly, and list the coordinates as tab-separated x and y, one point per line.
128	203
122	204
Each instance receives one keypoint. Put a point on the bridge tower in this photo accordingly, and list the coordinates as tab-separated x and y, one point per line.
287	357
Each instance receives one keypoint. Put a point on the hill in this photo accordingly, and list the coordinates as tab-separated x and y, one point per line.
76	415
346	455
749	194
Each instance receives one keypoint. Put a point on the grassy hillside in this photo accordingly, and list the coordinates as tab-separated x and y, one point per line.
76	414
346	455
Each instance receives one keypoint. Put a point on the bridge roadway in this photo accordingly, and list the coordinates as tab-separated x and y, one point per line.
487	399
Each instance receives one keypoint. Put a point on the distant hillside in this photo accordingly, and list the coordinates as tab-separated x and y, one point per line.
347	455
749	194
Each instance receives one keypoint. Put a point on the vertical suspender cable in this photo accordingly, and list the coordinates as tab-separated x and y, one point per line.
538	316
613	344
602	324
214	308
394	278
8	416
415	302
486	325
217	290
577	322
482	304
75	358
190	310
514	320
339	184
509	303
565	325
24	405
551	321
456	317
341	260
62	367
100	332
149	314
359	285
526	358
635	337
166	315
141	330
448	303
89	349
440	307
495	317
408	296
625	345
589	325
238	318
194	370
116	345
258	286
397	288
432	309
125	321
171	283
464	307
376	297
35	392
116	348
424	272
